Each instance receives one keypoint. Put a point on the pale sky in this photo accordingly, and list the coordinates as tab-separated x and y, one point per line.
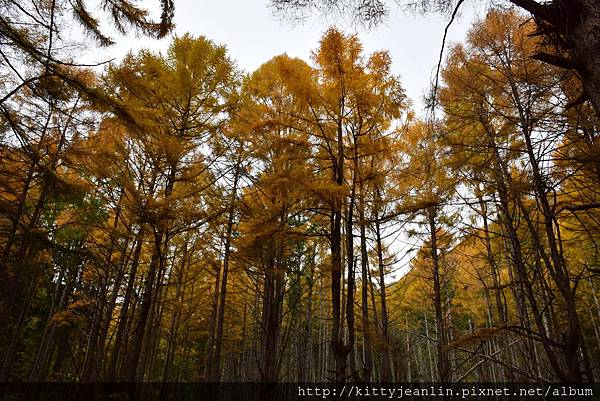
253	35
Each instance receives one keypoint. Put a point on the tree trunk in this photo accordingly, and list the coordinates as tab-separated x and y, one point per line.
438	300
386	358
365	280
121	335
271	313
216	369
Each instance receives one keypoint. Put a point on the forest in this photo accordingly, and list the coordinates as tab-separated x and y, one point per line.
169	217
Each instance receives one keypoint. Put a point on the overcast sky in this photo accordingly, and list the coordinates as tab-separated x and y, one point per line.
253	35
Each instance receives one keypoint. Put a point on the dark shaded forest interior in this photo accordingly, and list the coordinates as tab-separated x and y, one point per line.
169	217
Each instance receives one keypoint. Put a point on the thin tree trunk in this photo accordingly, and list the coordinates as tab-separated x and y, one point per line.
440	320
216	372
364	261
386	359
121	335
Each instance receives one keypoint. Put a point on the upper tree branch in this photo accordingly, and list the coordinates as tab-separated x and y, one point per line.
544	12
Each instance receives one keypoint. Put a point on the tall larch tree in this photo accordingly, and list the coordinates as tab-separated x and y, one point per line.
179	102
